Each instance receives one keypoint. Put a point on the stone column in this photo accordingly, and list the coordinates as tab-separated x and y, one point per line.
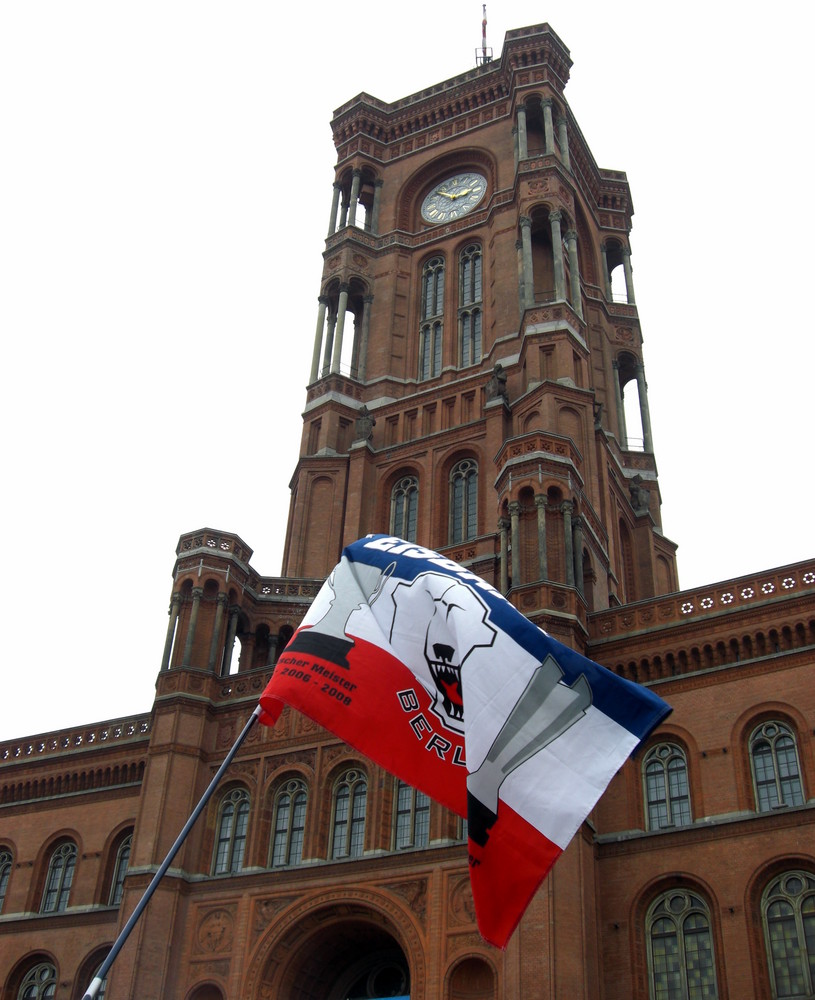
526	252
503	528
577	531
574	271
515	527
362	359
335	204
618	402
375	210
175	603
606	275
336	351
214	645
523	149
343	215
229	645
548	127
567	507
329	343
356	174
557	253
645	415
197	594
519	249
318	338
272	649
563	142
543	564
629	277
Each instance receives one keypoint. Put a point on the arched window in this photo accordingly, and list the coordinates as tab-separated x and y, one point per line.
776	773
463	501
680	948
58	881
289	824
432	321
5	874
665	776
404	508
40	983
350	803
470	315
412	816
233	821
120	870
788	915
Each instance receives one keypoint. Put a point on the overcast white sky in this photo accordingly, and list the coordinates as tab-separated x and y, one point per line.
156	340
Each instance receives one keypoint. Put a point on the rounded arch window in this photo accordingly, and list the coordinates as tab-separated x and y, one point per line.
775	767
463	501
788	916
405	508
40	983
665	778
289	823
350	806
681	963
233	822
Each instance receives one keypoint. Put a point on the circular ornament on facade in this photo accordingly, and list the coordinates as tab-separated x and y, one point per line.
747	593
809	577
211	543
687	607
726	598
454	197
706	602
215	932
767	588
788	583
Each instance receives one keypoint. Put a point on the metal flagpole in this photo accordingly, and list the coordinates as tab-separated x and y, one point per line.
116	947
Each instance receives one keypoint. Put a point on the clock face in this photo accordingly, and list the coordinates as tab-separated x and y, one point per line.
454	197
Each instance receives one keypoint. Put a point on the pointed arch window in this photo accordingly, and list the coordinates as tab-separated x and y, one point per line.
470	315
463	501
412	816
776	771
233	822
60	876
788	915
120	870
667	796
350	805
289	824
432	318
40	983
405	508
681	964
5	875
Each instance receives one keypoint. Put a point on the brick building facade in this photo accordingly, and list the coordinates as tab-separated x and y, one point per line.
476	334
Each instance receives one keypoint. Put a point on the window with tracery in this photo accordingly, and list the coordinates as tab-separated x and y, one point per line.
350	805
233	823
289	824
405	508
60	876
412	816
667	796
40	983
470	315
788	915
5	875
776	771
432	318
681	964
120	870
463	501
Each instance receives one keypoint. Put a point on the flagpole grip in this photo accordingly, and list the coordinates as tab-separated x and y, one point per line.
116	947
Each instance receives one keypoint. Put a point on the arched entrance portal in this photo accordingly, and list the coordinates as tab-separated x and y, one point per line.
339	957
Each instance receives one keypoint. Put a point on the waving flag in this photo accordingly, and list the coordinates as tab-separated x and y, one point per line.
426	669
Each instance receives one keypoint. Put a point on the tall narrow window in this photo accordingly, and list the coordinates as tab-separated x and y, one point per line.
667	798
680	948
470	314
60	876
788	914
776	773
350	803
404	508
120	870
40	983
432	321
463	501
289	824
412	817
5	874
233	821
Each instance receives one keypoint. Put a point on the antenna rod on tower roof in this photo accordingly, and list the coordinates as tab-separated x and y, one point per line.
485	55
